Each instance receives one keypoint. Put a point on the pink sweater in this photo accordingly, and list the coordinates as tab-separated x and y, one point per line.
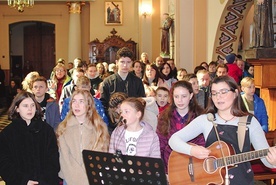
147	145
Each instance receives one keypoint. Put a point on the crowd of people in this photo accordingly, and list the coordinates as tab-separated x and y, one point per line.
141	108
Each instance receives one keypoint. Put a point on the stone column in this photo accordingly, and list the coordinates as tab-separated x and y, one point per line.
74	42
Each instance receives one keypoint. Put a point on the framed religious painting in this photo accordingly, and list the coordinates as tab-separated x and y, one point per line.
113	13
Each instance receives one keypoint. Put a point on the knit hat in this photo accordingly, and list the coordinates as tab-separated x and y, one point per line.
230	58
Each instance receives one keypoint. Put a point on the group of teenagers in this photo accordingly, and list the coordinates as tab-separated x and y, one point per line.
34	152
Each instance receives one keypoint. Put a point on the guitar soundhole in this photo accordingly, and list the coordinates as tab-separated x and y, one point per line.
210	165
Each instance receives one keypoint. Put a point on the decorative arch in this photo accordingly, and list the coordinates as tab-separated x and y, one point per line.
230	27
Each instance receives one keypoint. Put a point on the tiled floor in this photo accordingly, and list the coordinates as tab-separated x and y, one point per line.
3	118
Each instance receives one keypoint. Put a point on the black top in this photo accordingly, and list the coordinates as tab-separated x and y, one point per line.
132	86
95	82
29	153
242	173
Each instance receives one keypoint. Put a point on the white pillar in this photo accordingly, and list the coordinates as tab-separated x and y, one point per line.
184	34
74	40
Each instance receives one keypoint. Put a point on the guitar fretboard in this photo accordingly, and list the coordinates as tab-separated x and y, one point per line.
243	157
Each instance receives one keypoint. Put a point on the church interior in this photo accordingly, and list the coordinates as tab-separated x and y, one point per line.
202	30
71	30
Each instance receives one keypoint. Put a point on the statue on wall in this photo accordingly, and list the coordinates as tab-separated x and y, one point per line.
263	33
165	39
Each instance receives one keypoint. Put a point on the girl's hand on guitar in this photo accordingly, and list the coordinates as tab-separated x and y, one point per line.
200	152
271	156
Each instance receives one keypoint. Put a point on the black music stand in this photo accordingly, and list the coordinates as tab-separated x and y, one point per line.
117	169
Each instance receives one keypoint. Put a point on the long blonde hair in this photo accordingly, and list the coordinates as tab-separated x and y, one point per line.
100	141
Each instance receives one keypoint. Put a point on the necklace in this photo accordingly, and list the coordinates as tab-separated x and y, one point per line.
226	120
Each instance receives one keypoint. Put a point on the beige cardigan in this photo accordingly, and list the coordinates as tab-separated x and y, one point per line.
71	143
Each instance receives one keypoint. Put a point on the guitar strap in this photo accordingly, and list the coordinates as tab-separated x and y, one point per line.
243	121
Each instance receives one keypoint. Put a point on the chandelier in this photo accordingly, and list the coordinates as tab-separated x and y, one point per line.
20	4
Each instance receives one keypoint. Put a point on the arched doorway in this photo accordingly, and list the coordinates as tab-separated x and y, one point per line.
32	48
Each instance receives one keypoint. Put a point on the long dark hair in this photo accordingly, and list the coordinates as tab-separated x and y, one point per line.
238	108
157	75
195	110
170	75
13	114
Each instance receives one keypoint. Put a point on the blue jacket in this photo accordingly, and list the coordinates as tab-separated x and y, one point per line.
98	105
52	114
259	111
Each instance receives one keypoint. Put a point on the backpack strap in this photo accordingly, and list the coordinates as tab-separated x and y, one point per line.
243	121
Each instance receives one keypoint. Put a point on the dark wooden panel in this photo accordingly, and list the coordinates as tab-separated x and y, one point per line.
39	48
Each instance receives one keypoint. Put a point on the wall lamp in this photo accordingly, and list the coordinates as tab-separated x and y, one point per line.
146	9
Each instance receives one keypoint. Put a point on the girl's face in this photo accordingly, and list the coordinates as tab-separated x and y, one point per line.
166	70
222	97
180	75
251	70
195	85
250	90
79	106
130	114
162	98
26	109
150	72
137	68
60	73
100	68
181	98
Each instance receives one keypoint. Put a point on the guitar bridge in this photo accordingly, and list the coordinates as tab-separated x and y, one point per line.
191	169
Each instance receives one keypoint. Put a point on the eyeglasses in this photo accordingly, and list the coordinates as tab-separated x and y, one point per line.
222	93
59	71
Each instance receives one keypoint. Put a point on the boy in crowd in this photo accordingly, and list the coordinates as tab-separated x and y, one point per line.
94	77
204	79
198	93
123	80
212	69
49	107
233	70
68	90
162	98
253	103
222	70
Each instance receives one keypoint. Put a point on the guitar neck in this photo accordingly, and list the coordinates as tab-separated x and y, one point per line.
242	157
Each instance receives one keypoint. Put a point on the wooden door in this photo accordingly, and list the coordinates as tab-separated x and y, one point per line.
39	48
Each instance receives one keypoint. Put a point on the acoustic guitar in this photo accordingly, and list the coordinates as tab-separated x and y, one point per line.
188	170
